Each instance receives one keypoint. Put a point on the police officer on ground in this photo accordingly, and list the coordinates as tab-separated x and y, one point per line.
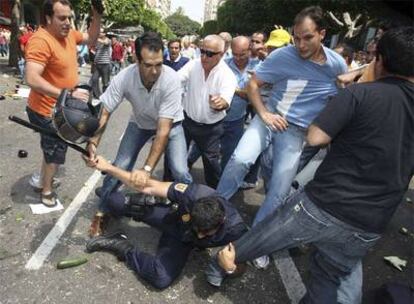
200	219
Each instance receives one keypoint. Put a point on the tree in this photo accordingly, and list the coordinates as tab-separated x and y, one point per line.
246	16
14	41
119	12
182	25
209	27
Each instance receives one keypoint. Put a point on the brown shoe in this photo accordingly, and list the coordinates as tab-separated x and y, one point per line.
98	225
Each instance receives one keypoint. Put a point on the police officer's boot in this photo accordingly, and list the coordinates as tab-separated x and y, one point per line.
116	244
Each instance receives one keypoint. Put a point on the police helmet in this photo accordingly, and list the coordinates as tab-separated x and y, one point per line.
74	120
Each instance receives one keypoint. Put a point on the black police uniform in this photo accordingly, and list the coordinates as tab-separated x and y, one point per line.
178	238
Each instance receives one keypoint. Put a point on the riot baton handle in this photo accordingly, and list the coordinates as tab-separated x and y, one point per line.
52	133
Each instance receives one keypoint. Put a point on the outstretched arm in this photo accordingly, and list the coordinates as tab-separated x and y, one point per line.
152	187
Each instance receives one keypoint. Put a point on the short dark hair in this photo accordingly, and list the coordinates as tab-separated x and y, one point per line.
174	41
260	33
347	51
48	8
150	40
396	48
207	213
315	13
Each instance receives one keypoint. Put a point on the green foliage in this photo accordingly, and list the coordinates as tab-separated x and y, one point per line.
209	27
128	13
152	21
121	12
246	16
181	25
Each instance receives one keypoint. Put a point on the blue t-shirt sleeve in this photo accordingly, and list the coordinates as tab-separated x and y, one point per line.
271	69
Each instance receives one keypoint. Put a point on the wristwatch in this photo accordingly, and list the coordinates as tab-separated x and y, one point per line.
147	169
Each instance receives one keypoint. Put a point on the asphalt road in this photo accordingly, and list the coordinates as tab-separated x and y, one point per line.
105	280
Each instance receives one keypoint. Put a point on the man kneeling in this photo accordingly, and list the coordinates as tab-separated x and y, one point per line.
194	216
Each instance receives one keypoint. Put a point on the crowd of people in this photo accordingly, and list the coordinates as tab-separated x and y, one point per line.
192	98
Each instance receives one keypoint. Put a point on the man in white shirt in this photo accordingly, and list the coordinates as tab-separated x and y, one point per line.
154	92
210	86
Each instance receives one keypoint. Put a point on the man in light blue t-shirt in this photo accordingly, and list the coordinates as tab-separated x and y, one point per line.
303	78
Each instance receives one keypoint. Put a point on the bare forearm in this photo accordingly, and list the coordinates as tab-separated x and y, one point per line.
157	148
121	174
253	93
156	188
103	122
39	84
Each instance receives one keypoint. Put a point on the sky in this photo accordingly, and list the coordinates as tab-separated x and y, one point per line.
192	8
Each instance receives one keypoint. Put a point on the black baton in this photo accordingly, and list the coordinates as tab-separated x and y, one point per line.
48	132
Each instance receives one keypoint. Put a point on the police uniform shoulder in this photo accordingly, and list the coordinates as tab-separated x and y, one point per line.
180	187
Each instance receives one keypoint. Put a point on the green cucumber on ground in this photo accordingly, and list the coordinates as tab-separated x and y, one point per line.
71	262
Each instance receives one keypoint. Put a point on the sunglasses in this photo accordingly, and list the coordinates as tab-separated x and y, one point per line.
208	53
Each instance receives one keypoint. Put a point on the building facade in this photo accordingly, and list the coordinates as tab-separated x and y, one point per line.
163	7
210	9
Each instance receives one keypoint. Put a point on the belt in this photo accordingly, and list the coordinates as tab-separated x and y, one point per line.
199	123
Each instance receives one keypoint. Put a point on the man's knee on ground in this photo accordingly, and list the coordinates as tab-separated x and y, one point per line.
161	278
116	204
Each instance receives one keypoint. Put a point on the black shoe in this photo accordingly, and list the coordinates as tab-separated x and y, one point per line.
116	244
98	192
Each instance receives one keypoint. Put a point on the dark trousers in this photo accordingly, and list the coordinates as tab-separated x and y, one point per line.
161	269
207	138
100	71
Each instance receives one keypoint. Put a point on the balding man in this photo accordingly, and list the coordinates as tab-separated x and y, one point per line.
227	42
210	86
240	64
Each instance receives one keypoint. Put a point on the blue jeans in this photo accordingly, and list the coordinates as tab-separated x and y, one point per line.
287	147
254	140
104	71
233	131
132	142
339	246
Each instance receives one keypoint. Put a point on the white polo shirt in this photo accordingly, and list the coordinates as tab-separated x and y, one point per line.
221	81
164	99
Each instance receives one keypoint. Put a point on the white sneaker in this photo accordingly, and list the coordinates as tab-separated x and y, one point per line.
261	262
36	183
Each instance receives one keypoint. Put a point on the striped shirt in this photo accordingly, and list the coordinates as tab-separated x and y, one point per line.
103	53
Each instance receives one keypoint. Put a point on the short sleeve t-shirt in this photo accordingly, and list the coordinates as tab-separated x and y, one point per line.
300	87
59	57
371	161
238	105
163	101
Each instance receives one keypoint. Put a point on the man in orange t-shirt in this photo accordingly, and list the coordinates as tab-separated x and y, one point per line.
51	65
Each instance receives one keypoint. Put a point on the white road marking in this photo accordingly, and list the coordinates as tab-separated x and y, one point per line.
290	276
38	258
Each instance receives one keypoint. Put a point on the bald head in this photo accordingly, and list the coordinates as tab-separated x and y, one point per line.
227	40
242	42
214	42
240	47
